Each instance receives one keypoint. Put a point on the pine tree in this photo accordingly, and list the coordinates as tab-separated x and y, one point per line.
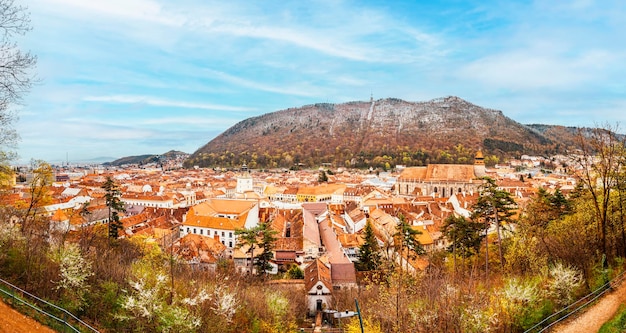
114	203
406	237
267	240
262	236
494	207
369	252
465	236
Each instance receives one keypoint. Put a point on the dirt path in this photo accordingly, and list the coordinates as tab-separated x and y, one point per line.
601	312
12	321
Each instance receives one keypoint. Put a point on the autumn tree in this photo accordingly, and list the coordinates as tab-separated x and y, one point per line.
38	195
15	76
369	251
35	226
115	205
598	162
545	208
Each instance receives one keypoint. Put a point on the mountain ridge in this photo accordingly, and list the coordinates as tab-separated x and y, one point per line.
375	133
146	158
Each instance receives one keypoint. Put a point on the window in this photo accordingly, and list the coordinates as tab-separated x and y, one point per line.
187	230
201	232
230	234
194	230
230	244
222	234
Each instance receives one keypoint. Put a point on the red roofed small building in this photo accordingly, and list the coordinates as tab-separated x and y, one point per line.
318	285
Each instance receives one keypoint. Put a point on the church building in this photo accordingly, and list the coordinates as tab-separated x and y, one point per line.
442	180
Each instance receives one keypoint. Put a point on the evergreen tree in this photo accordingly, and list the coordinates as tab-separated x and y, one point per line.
465	236
114	203
406	239
267	241
369	252
323	178
262	236
494	207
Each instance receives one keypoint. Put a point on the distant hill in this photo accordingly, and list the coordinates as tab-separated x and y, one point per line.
378	133
147	159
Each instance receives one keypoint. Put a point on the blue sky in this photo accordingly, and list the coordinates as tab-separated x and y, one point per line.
130	77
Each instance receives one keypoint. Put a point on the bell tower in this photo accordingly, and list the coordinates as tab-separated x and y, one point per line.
479	165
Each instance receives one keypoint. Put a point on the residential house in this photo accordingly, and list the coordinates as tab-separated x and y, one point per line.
318	286
148	200
219	218
200	252
312	243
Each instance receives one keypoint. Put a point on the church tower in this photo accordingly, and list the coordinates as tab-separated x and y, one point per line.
479	165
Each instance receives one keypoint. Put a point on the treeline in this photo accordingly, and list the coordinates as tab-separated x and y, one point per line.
340	157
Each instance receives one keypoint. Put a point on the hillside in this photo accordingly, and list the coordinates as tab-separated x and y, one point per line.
146	159
376	133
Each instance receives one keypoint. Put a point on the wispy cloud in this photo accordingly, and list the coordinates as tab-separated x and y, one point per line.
245	83
149	100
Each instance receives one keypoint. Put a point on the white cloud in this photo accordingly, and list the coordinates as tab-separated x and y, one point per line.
532	69
149	100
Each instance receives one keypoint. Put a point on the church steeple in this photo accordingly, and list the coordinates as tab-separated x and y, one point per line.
479	164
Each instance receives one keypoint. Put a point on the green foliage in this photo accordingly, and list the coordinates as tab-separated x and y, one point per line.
295	272
495	208
617	324
407	236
